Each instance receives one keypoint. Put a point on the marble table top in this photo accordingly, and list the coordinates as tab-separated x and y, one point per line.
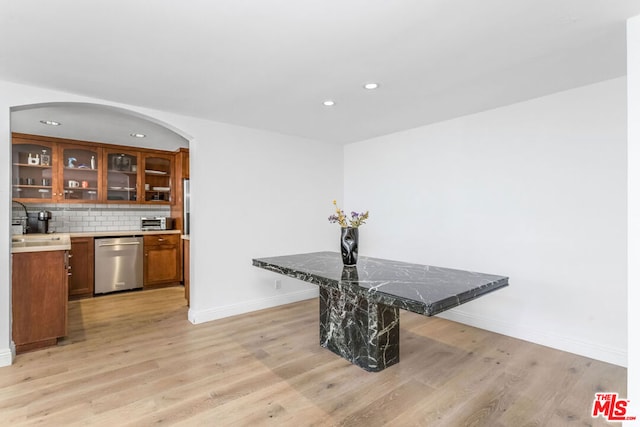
422	289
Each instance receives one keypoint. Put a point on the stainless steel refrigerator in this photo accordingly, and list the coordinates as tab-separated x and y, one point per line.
186	197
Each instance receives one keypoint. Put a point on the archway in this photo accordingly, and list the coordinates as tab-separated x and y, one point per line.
96	123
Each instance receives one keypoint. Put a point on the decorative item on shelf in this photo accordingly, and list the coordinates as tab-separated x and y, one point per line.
45	159
349	235
121	163
34	161
93	162
71	162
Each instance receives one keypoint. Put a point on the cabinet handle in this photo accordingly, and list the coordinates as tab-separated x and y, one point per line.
118	244
160	239
69	274
70	255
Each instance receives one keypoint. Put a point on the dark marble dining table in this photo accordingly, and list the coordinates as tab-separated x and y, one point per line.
359	306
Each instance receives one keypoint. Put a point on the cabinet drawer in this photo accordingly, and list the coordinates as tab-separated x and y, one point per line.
162	239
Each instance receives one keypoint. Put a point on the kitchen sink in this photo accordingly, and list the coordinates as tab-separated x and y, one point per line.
35	239
40	242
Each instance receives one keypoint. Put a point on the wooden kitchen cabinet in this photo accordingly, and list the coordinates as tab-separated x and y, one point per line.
181	171
79	171
34	165
39	298
162	260
48	171
81	262
123	176
158	177
182	163
90	172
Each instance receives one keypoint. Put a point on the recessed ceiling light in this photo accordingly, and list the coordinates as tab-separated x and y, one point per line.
328	103
50	123
371	86
138	135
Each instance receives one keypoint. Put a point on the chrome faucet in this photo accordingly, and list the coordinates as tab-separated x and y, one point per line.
25	225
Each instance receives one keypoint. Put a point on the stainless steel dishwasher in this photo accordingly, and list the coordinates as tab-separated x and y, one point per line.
118	264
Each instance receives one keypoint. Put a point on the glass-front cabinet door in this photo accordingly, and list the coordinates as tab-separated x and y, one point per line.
33	173
80	173
122	176
158	184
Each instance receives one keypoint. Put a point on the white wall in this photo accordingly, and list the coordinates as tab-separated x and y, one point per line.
535	191
254	193
633	90
259	195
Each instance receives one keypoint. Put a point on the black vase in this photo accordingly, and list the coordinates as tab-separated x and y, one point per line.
349	245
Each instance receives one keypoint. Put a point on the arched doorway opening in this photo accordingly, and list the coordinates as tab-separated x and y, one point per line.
94	124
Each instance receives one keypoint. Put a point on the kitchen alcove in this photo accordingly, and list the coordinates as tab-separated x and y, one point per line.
102	124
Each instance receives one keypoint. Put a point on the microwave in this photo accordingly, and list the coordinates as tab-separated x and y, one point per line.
156	223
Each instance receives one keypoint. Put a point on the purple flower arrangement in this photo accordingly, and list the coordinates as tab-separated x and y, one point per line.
356	220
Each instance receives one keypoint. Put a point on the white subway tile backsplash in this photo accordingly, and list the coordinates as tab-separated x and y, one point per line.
97	217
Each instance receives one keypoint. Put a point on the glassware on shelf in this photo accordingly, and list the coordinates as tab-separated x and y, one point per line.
45	159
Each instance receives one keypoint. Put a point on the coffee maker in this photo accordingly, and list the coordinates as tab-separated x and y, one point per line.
38	222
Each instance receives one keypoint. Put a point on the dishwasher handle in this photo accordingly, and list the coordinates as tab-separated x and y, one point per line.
118	244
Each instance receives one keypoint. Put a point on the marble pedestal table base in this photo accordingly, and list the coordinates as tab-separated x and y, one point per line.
362	331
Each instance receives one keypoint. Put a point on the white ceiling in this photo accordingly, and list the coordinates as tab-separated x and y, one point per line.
270	64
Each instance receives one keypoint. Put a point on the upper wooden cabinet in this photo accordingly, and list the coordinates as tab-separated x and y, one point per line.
52	170
80	173
34	169
182	161
158	177
123	175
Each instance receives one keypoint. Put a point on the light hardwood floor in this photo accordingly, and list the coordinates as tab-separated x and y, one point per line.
134	359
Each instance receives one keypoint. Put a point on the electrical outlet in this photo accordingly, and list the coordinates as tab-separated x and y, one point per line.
278	284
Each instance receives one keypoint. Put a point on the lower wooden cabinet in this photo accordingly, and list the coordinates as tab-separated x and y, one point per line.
39	298
162	260
81	261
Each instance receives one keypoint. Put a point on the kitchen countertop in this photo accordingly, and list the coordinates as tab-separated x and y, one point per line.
122	233
40	242
62	241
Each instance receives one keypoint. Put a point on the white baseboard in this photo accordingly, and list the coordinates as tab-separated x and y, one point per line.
6	356
208	315
592	350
